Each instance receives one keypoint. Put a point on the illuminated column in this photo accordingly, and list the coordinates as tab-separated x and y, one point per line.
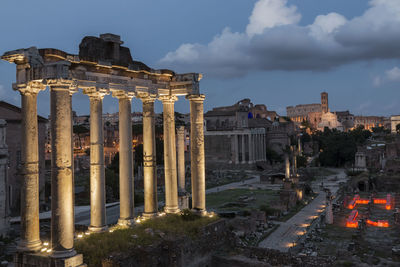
97	172
197	153
30	233
287	166
62	184
149	157
171	183
126	194
299	146
180	145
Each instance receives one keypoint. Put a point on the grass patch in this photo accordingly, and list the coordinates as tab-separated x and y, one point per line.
97	247
261	197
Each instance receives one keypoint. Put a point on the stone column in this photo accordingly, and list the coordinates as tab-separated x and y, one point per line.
236	148
243	149
149	157
197	153
250	145
287	166
30	233
180	145
264	154
62	183
257	143
171	183
97	171
126	194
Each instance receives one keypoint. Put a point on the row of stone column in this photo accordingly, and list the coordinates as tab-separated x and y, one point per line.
254	144
62	177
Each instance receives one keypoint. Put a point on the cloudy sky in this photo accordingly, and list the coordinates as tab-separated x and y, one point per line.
275	52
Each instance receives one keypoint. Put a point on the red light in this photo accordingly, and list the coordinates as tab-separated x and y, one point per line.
379	223
379	201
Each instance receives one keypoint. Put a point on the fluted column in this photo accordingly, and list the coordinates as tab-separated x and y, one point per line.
171	183
97	172
243	149
62	184
236	148
180	146
126	194
149	157
30	233
197	153
250	146
264	154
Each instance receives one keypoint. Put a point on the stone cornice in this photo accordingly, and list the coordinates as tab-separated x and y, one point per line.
32	87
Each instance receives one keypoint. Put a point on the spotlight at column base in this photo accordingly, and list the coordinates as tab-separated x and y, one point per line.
126	222
98	229
33	246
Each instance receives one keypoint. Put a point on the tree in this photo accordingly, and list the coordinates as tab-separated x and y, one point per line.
398	128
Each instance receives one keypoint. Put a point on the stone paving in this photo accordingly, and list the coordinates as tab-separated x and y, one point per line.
290	231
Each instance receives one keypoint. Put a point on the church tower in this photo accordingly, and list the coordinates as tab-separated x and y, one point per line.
324	102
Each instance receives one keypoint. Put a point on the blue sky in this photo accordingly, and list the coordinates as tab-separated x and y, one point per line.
275	52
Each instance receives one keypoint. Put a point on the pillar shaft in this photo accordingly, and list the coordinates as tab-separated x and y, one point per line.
243	149
171	183
30	233
180	146
149	158
287	166
97	172
236	148
126	193
197	153
250	145
62	184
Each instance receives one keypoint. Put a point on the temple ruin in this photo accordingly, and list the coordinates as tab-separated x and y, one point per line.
102	67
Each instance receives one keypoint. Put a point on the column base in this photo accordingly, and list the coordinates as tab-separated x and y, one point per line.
32	246
199	212
126	222
149	215
63	254
172	210
98	229
44	260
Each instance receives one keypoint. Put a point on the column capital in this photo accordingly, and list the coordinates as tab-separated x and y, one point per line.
32	87
95	92
62	85
146	97
168	99
121	94
196	98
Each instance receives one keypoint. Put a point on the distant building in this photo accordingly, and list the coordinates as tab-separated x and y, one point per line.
309	112
394	121
241	133
369	122
330	120
12	115
346	119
